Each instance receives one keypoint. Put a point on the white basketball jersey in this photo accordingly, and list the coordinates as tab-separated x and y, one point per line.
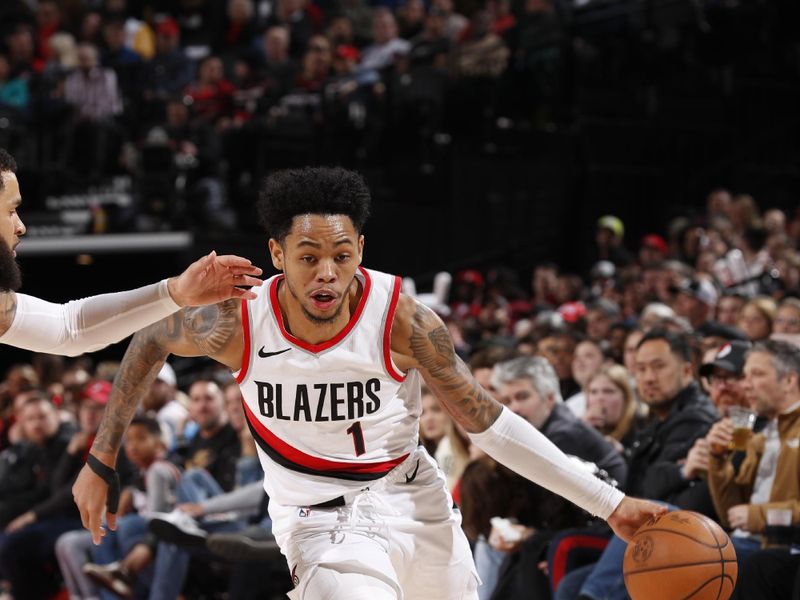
327	418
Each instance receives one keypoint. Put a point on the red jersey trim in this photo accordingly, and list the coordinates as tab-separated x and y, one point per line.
314	463
273	294
246	332
387	333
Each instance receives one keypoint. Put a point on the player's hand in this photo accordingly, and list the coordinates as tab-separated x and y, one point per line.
737	516
90	493
720	436
631	514
696	460
213	279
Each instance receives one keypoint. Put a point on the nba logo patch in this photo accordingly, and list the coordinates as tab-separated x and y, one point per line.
304	512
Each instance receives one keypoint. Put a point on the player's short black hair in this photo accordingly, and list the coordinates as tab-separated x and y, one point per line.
7	163
150	425
312	190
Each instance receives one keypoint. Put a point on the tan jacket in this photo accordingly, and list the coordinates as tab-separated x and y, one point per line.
729	488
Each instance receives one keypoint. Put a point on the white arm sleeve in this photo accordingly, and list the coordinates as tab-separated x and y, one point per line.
89	324
515	443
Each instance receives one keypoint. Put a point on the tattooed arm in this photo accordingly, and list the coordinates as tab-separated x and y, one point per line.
420	340
213	331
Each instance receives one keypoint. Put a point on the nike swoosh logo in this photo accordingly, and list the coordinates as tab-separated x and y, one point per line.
413	476
263	354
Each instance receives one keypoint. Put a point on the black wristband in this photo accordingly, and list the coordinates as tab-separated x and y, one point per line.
111	478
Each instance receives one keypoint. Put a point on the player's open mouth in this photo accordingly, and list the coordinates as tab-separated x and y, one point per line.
323	299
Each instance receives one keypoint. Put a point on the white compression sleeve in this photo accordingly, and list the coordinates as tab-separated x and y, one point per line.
89	324
515	443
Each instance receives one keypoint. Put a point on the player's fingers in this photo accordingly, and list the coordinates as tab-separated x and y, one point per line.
95	527
231	260
251	270
247	280
245	294
111	521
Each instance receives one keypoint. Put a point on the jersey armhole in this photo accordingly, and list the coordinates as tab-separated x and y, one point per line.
242	372
391	368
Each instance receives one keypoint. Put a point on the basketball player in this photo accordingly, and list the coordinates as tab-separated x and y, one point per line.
330	362
93	323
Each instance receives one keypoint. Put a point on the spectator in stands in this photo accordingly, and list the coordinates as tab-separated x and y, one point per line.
652	251
21	52
431	46
92	89
385	42
211	93
483	54
696	302
316	65
169	72
756	317
162	404
588	358
240	29
787	317
609	242
600	315
611	406
432	422
768	477
248	467
30	543
558	347
117	55
728	309
410	19
280	69
454	23
292	15
14	92
27	467
744	213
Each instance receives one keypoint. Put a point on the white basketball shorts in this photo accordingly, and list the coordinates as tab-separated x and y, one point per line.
398	539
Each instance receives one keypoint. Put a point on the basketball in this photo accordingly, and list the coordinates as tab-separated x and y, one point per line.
680	555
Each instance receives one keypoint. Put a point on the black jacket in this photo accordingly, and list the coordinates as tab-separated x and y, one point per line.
659	444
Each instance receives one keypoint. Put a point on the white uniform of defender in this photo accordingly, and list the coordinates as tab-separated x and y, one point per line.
336	423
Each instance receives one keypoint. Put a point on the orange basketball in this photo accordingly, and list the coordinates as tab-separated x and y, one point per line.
680	555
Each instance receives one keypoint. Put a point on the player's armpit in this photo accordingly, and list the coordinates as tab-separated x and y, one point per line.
8	308
193	331
430	348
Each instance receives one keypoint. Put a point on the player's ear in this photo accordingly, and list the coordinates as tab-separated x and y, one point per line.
360	248
276	253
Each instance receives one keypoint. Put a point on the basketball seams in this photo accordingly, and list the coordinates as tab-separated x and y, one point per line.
721	577
717	546
677	566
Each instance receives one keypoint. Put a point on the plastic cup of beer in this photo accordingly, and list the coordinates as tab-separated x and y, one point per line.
742	420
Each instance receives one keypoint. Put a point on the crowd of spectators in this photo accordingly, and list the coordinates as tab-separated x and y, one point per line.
632	370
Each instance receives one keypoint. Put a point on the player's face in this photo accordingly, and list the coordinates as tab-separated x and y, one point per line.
319	258
11	229
520	396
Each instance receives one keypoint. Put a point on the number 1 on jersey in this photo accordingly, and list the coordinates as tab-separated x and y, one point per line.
358	437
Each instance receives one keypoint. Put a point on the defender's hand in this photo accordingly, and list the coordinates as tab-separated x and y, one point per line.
213	279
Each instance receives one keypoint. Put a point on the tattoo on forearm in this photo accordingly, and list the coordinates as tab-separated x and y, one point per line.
212	327
8	308
206	329
433	348
138	370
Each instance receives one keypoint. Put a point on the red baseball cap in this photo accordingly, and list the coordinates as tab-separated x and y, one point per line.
347	52
572	311
656	242
97	391
168	27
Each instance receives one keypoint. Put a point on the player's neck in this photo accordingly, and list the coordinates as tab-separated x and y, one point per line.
298	323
